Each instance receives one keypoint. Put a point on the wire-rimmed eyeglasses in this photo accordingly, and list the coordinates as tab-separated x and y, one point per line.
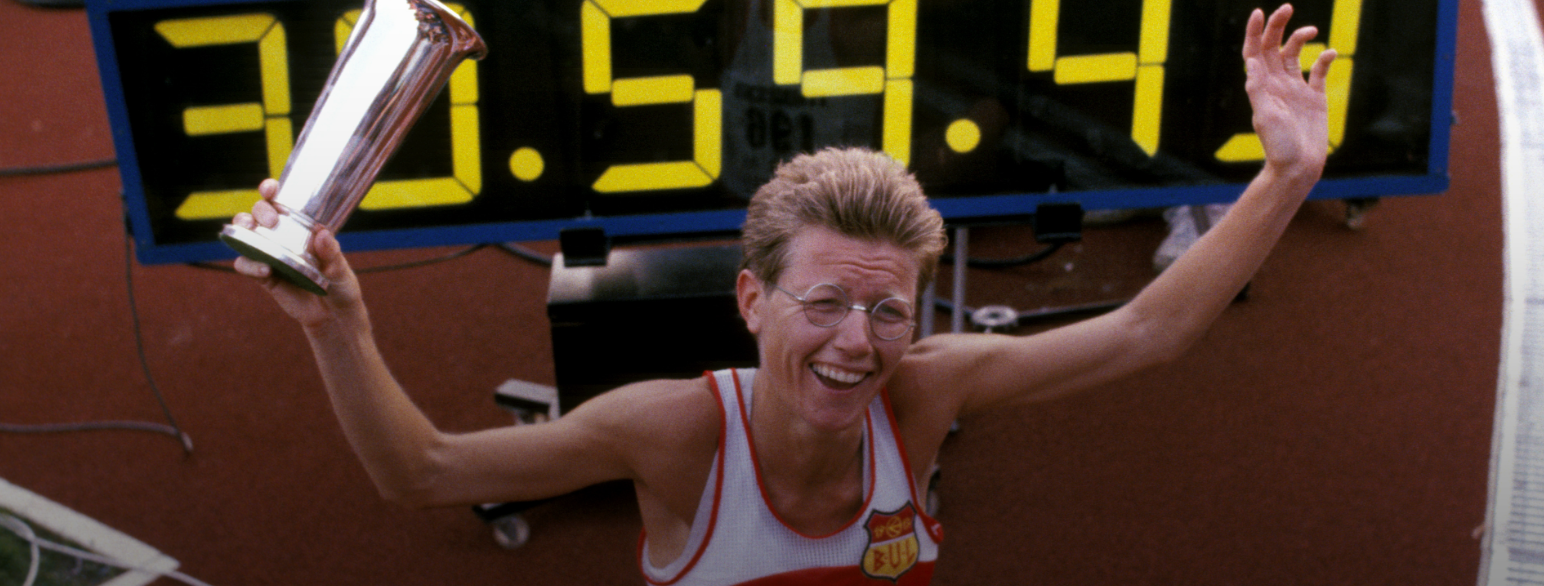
825	305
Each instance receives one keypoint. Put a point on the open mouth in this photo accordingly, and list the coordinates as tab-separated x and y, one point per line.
837	378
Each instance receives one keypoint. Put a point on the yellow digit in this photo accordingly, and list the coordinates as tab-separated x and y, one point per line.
465	180
1345	21
271	116
707	104
893	80
1145	67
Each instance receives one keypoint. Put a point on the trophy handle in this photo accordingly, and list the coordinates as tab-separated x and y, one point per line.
399	56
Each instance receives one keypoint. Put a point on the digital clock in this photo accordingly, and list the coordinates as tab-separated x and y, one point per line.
658	118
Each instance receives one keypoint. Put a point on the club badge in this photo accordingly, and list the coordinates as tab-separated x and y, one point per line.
893	548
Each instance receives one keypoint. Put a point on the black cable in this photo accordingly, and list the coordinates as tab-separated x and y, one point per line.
1003	263
54	3
209	266
421	263
173	429
96	426
526	254
62	4
139	340
947	306
62	168
223	268
139	344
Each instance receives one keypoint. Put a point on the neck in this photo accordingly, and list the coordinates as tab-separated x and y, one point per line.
793	450
813	477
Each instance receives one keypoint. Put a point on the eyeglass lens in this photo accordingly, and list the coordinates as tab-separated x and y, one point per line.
825	305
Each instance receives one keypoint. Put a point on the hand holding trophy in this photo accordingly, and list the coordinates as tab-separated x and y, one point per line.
397	59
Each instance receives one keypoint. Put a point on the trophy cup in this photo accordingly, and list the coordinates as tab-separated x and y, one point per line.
396	60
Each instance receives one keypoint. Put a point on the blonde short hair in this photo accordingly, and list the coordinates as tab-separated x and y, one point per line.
857	192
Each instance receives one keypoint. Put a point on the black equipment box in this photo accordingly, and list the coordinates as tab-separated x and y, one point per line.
646	314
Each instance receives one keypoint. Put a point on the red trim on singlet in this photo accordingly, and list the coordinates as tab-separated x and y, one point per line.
868	497
934	528
919	575
900	444
718	491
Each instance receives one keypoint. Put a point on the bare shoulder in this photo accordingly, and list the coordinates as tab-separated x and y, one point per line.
933	368
954	373
928	394
974	373
655	418
668	432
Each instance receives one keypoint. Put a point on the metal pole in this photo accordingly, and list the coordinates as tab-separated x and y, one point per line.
928	308
961	246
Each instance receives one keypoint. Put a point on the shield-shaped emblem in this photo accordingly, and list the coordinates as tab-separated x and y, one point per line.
892	548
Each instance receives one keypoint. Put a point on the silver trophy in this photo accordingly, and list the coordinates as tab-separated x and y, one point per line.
397	59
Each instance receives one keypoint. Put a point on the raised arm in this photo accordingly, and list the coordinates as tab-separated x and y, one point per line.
409	460
1172	312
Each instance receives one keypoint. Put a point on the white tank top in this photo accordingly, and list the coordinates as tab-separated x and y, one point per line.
736	538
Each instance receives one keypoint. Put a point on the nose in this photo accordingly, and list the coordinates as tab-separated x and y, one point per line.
852	335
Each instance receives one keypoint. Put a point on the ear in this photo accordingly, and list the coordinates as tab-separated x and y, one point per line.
748	295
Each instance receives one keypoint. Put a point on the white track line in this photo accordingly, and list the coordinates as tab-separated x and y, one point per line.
1513	548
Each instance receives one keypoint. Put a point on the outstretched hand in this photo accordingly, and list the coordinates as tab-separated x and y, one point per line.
342	299
1290	114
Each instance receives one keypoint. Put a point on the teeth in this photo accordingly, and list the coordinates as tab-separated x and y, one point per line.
838	375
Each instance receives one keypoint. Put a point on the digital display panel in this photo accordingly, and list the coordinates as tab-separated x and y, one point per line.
659	118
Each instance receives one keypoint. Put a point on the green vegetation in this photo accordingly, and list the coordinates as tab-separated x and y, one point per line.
55	569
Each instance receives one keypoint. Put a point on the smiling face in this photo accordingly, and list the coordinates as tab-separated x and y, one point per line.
827	376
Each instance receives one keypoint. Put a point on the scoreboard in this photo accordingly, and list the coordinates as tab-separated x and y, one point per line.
659	118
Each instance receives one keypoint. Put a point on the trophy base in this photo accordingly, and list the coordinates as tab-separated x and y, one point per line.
292	267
